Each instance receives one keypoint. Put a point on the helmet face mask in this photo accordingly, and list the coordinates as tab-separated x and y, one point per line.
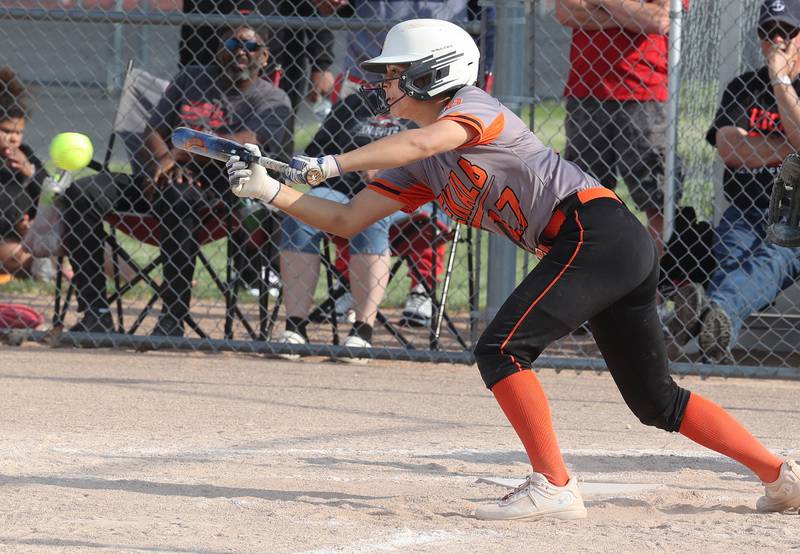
423	80
374	95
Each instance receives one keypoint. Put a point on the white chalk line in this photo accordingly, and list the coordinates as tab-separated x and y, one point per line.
225	452
400	541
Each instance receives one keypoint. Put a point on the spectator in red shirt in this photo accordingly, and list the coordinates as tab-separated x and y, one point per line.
616	96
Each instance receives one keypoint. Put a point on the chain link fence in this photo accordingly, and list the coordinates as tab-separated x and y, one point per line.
155	252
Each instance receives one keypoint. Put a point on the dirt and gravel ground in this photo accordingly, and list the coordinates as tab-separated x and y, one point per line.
104	451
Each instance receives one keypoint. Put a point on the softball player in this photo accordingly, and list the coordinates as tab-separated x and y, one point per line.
486	169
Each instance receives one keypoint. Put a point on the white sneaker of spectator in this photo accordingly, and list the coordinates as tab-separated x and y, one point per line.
290	337
344	308
43	269
354	341
418	309
273	286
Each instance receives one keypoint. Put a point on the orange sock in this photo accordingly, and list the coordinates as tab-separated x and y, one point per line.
523	401
708	424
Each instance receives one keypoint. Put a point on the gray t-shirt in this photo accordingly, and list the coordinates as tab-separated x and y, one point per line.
196	99
504	180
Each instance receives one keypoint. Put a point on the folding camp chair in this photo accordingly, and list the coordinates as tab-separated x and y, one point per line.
141	92
435	233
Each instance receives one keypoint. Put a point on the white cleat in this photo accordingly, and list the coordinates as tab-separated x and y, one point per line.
290	337
784	493
537	498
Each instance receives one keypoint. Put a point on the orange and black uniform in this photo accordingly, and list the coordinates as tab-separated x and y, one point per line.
598	263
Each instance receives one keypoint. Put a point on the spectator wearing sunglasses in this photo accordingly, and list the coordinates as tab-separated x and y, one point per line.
227	98
756	126
304	54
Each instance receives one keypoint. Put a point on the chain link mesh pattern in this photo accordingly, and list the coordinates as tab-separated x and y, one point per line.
154	245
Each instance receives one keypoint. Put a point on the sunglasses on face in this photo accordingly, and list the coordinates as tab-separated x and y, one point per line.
234	44
777	29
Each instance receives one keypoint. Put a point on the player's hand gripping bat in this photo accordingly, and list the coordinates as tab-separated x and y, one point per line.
217	148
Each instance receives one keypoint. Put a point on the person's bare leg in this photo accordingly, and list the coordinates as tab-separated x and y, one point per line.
299	274
369	276
655	226
15	258
126	272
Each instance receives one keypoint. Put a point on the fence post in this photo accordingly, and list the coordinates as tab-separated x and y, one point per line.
509	87
114	71
674	83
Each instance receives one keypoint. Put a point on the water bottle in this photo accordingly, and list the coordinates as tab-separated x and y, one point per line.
44	267
321	108
53	187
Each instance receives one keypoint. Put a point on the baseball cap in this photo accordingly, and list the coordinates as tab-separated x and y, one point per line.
780	11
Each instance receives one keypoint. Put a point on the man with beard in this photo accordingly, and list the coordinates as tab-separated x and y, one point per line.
227	98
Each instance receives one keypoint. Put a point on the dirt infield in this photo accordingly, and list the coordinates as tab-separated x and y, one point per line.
104	451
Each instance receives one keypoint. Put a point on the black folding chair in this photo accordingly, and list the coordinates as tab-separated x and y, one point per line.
337	285
141	92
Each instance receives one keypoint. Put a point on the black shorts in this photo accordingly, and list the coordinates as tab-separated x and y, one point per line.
614	140
602	266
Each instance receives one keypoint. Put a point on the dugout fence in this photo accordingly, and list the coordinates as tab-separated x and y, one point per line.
72	57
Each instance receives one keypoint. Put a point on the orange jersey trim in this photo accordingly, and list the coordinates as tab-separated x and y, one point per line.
466	119
484	135
471	122
414	197
490	134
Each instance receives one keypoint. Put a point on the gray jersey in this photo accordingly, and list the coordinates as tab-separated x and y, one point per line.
504	180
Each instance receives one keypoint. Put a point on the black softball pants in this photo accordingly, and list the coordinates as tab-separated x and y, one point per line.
602	266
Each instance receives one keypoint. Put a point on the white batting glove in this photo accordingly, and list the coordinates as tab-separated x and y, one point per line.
312	171
251	180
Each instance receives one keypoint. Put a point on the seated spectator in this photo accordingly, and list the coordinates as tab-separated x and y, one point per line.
756	126
616	98
21	177
305	54
418	246
366	44
410	238
226	97
348	126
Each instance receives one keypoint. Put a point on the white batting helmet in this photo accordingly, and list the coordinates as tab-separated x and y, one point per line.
441	56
